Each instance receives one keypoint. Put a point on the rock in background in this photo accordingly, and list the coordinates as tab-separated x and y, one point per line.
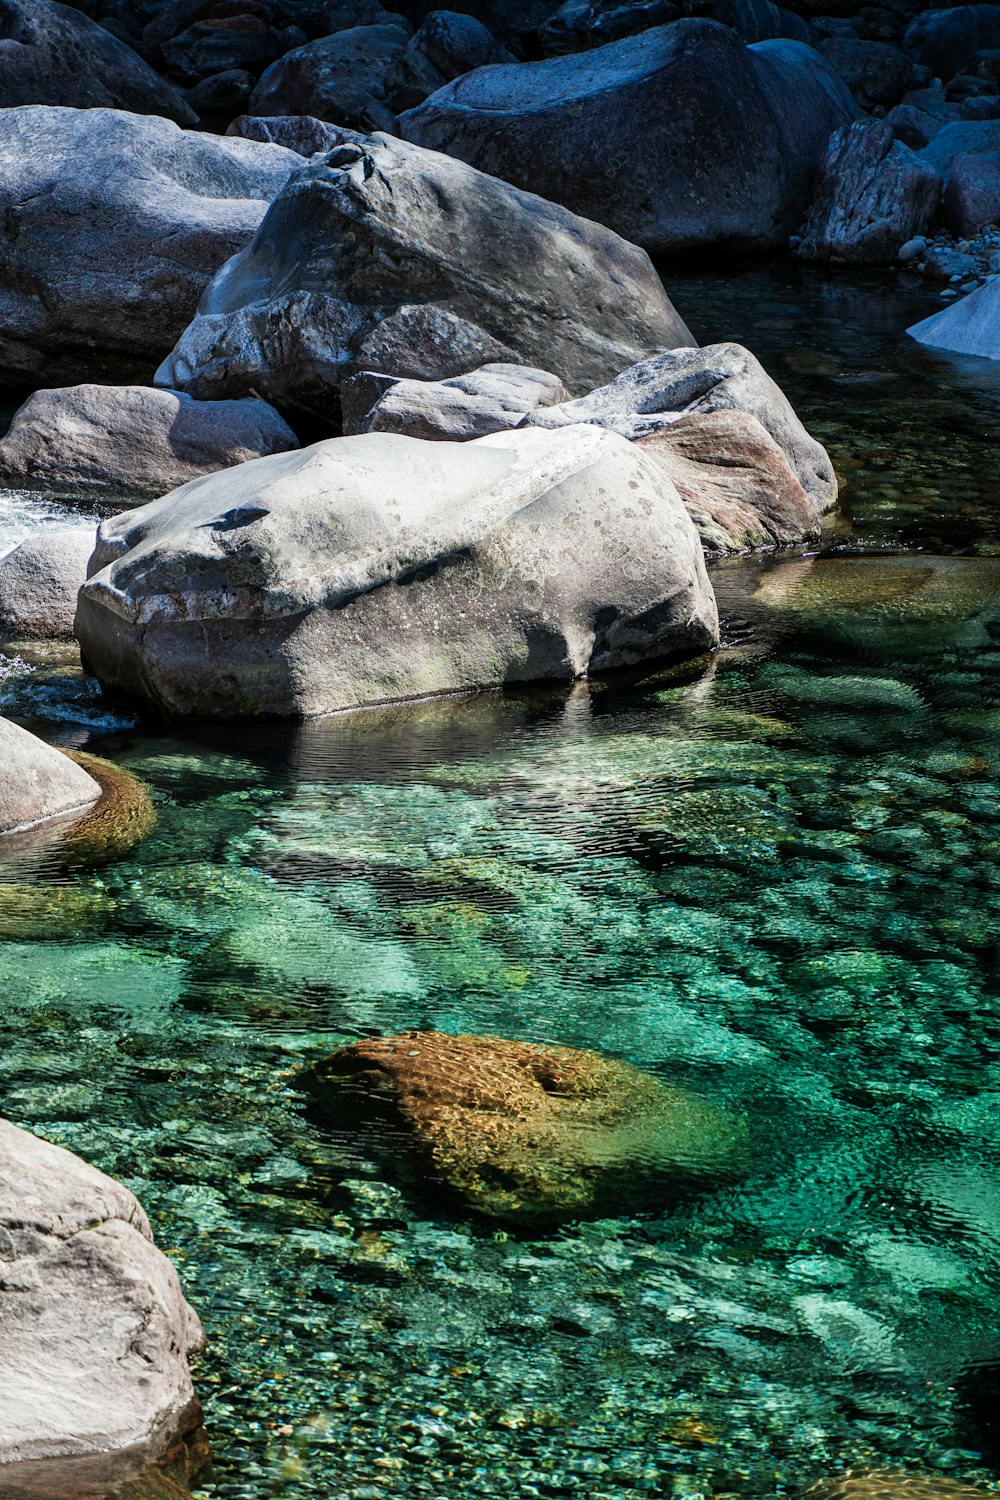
39	581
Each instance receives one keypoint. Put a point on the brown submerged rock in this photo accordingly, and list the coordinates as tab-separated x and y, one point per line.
890	1484
530	1133
122	818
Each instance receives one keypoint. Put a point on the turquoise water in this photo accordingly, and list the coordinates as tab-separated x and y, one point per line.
769	875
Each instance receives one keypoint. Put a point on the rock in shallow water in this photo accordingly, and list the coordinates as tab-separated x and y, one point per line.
127	444
386	257
39	784
111	225
375	568
679	138
529	1133
95	1329
969	326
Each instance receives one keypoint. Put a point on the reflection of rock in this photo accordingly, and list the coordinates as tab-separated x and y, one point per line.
119	1476
95	1330
375	568
530	1133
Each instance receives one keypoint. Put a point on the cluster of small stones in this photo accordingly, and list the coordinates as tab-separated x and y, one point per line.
961	265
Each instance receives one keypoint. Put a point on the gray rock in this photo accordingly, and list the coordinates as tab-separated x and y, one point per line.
222	93
339	78
874	72
127	444
446	46
378	568
491	399
390	258
970	326
111	226
50	54
912	250
914	127
739	488
941	263
38	785
39	582
303	134
873	194
972	200
92	1317
720	377
962	138
679	138
946	41
218	44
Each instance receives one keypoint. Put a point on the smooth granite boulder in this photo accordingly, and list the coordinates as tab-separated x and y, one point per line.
680	138
873	194
95	1330
969	326
339	78
377	568
303	134
683	382
38	785
491	399
525	1133
52	54
390	258
111	226
39	582
130	443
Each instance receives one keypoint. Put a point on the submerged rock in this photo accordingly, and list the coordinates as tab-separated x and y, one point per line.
969	326
493	398
128	444
686	382
39	582
873	195
111	226
39	784
375	568
51	54
91	1315
121	819
528	1133
679	138
891	1484
386	257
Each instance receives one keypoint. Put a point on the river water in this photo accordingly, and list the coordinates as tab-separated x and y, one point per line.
770	875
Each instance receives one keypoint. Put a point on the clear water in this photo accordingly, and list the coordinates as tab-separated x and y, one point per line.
770	875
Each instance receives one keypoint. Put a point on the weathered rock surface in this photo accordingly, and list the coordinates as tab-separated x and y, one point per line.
218	43
339	78
972	200
39	582
873	194
376	568
491	399
111	225
530	1133
303	134
738	486
390	258
128	444
969	326
445	46
720	377
874	72
679	138
95	1329
38	785
51	54
961	138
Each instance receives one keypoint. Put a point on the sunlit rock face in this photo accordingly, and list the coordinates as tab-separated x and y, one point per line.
39	784
383	256
530	1133
375	568
92	1316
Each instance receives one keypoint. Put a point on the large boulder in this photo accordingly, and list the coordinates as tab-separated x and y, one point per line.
961	138
38	785
446	46
972	200
874	72
946	41
969	326
873	194
680	138
128	444
687	382
51	54
377	568
221	43
387	257
528	1133
111	226
339	78
94	1327
491	399
39	581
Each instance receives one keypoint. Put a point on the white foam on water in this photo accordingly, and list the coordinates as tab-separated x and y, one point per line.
23	514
